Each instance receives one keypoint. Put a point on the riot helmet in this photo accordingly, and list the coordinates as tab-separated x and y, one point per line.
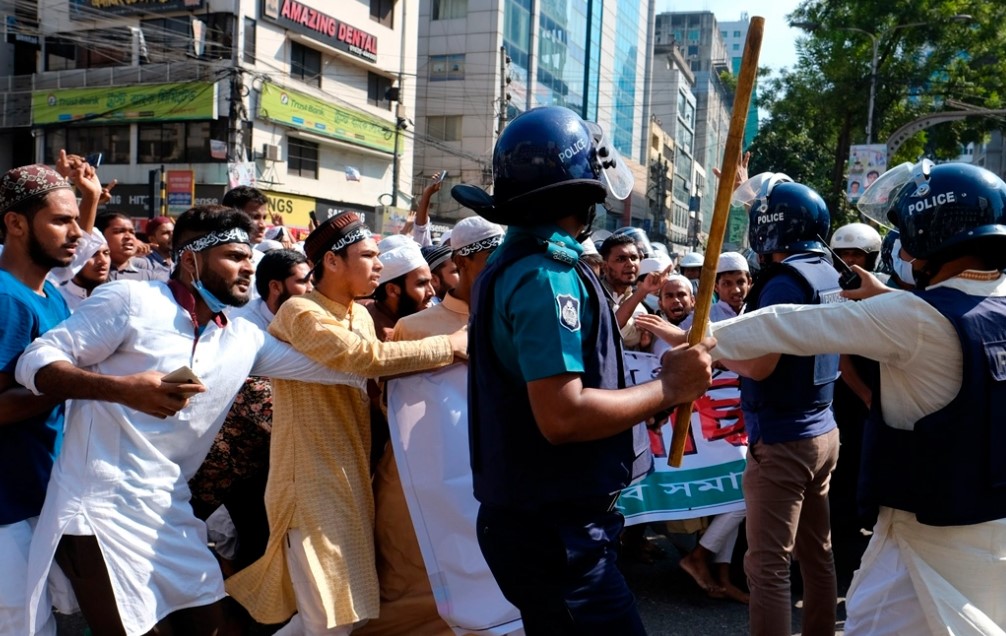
942	212
639	237
858	236
887	251
786	217
547	164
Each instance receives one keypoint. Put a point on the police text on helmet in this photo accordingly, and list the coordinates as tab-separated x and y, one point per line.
572	150
939	199
771	218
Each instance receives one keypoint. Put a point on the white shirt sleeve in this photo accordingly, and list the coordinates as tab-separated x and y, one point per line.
86	338
421	234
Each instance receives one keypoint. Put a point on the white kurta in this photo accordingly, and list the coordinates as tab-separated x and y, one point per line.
914	578
123	475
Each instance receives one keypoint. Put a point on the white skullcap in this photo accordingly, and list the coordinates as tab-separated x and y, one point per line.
400	255
268	245
732	262
475	234
681	279
445	237
656	263
589	249
692	259
276	233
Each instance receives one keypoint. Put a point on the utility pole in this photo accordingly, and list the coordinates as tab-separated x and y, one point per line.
399	113
505	80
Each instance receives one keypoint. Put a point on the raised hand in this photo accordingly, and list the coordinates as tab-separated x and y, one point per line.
661	329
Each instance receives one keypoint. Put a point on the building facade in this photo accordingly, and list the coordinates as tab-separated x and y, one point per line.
735	34
482	62
288	93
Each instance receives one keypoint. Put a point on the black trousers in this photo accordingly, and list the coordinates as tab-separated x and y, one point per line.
558	568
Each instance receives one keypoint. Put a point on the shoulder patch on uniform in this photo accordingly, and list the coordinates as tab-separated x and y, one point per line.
996	354
569	311
561	253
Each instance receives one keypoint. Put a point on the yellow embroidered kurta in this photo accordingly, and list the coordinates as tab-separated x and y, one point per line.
319	474
407	602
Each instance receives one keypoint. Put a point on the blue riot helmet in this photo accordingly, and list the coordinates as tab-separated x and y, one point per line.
547	164
787	217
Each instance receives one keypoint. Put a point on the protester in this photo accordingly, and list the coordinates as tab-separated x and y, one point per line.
857	244
320	558
255	205
40	215
93	272
551	425
421	224
443	268
159	231
408	605
122	245
690	267
117	517
234	473
405	286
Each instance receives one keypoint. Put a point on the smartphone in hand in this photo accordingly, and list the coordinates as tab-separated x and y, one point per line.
183	375
439	178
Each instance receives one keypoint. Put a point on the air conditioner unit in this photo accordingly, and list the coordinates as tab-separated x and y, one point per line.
270	152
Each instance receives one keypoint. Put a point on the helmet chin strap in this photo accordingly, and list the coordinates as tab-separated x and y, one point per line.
588	220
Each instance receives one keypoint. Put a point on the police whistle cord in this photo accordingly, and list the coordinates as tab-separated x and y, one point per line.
721	210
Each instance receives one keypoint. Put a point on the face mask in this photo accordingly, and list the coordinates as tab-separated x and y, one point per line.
212	302
903	268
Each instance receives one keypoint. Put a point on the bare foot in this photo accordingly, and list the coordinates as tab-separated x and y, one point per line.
731	591
694	564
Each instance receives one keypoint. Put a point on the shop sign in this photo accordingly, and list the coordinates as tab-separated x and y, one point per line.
124	104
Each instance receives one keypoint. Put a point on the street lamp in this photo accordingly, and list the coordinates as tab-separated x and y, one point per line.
875	39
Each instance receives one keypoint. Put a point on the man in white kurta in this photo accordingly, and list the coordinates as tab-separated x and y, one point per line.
124	473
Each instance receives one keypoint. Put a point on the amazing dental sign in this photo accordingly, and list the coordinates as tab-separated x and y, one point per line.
322	27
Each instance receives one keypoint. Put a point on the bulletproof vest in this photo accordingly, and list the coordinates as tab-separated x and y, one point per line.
795	397
951	469
513	465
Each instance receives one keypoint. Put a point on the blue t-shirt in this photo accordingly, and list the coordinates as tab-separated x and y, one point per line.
27	448
539	317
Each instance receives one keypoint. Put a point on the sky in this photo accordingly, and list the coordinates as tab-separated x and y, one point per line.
778	49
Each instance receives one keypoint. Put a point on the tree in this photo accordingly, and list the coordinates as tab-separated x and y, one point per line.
928	57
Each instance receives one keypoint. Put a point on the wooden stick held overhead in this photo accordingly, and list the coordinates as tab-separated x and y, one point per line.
721	210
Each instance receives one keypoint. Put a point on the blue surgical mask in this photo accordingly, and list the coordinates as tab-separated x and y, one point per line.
212	302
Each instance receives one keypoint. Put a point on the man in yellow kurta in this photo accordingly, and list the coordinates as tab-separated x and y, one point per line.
320	557
407	602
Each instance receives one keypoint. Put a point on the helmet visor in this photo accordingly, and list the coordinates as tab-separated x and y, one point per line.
615	173
876	201
757	187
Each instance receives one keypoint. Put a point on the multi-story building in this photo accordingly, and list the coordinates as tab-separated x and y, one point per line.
735	34
291	92
697	36
481	62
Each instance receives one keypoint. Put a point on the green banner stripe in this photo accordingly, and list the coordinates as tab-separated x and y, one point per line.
146	102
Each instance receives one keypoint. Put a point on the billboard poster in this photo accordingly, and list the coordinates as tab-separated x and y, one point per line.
866	163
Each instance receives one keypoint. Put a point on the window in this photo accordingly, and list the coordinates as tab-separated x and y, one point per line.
383	12
377	86
696	66
449	9
305	64
693	50
179	142
249	48
302	158
111	141
736	47
167	39
444	127
693	35
737	34
447	67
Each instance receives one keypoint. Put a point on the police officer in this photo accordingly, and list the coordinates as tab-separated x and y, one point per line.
786	402
857	244
933	454
550	420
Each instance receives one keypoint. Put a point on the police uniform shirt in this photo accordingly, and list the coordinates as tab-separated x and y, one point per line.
538	319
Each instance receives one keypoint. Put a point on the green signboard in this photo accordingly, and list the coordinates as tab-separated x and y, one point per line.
123	104
311	114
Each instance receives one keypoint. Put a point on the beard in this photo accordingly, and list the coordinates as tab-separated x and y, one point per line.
227	294
407	305
41	257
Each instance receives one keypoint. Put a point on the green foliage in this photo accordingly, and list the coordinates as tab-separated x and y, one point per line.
928	61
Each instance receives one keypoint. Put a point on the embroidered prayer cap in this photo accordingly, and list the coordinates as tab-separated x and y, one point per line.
338	232
731	262
436	255
20	185
475	234
399	255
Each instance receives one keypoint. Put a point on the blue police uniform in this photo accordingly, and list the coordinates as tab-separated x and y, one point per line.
793	451
546	523
950	470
